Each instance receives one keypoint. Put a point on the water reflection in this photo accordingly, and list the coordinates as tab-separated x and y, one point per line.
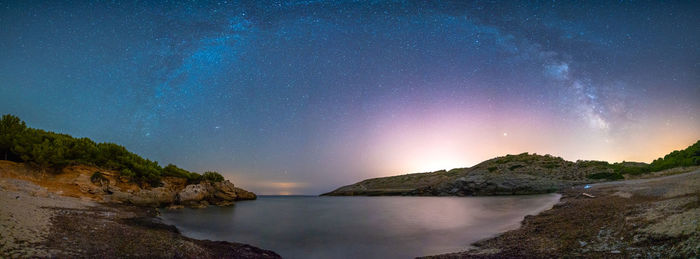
366	227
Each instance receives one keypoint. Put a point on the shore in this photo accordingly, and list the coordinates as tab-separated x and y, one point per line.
649	218
656	217
35	222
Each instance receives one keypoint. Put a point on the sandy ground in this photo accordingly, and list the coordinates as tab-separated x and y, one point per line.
645	218
25	217
35	222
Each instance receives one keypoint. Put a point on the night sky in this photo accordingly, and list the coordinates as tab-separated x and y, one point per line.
301	97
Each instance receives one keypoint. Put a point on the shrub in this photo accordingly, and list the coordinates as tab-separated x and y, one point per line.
212	176
128	174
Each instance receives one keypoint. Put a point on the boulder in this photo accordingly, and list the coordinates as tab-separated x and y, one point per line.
192	194
244	195
224	191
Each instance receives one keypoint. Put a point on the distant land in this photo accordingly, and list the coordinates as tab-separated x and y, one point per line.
517	174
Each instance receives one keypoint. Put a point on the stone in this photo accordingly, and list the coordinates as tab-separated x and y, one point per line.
192	194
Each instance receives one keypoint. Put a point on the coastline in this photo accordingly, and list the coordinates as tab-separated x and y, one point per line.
39	223
656	217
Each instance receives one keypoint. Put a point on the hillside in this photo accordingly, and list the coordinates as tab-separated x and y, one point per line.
515	174
49	151
105	172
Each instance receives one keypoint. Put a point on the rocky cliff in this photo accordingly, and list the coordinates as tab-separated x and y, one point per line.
88	182
507	175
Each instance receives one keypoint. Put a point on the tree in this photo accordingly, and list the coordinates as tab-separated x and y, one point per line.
10	127
50	149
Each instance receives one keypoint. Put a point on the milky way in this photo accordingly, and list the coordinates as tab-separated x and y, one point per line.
303	96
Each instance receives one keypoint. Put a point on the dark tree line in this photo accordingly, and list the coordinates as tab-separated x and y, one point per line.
687	157
50	150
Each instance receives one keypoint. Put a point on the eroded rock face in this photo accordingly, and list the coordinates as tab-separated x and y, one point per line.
192	194
176	192
224	191
155	197
245	195
218	193
108	186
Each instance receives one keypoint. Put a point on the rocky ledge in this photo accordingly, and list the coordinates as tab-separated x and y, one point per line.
106	186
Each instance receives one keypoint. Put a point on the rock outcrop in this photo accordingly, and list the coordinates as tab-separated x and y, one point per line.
92	183
245	195
197	195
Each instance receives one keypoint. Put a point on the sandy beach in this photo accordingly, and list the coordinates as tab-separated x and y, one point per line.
38	223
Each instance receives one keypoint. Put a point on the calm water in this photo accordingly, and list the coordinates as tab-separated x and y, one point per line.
359	227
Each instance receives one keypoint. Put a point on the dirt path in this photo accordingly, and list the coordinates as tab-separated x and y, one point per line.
650	218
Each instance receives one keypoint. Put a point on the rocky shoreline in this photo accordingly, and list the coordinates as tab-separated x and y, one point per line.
645	218
108	186
655	217
67	214
39	223
521	174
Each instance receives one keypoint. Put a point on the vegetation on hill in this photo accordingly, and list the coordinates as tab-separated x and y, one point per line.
53	150
679	158
516	174
687	157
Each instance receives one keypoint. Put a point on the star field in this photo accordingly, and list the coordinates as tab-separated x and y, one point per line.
303	96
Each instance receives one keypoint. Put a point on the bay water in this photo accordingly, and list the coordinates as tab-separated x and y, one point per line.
359	227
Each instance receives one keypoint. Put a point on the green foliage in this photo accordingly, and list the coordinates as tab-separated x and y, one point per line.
687	157
606	175
52	150
10	126
493	168
127	173
630	168
212	176
174	171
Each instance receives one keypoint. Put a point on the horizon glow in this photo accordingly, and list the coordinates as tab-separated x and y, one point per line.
301	97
